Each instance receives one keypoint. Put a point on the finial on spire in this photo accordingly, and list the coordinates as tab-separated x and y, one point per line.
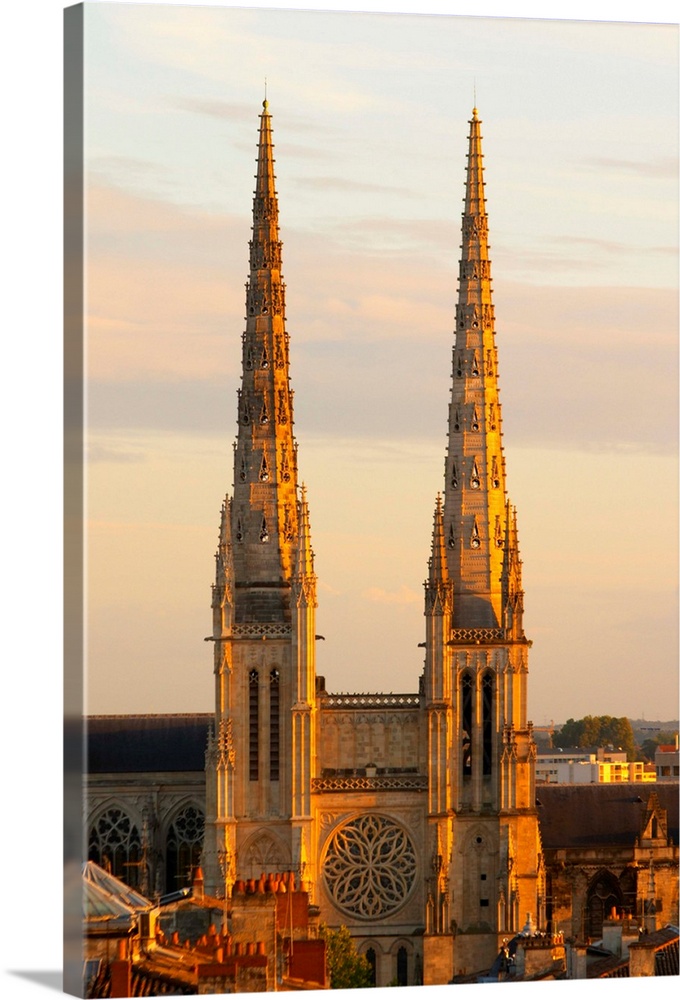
265	103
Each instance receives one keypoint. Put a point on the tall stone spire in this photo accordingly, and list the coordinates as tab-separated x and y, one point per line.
481	776
475	513
262	759
264	509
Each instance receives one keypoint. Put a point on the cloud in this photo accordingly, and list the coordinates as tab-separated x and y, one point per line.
98	452
402	596
664	168
345	184
214	108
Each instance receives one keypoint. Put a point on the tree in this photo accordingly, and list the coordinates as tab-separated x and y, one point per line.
598	731
648	747
347	969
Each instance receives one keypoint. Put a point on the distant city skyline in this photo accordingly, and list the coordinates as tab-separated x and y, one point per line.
370	120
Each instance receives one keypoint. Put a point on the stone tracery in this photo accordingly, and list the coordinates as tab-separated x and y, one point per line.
370	866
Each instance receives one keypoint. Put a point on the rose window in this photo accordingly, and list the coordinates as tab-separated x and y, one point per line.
370	866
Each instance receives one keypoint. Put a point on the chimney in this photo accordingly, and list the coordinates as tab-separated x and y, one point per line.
198	883
577	961
121	972
642	958
612	936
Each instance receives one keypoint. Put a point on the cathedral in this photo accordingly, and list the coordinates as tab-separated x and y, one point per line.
410	818
399	812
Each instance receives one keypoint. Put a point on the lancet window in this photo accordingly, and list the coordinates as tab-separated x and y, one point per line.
487	722
467	694
183	847
274	724
253	725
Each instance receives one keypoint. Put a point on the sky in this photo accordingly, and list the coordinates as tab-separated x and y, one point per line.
370	112
31	400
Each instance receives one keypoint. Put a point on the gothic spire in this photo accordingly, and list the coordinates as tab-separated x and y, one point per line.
474	497
304	577
511	580
304	566
264	508
437	585
438	569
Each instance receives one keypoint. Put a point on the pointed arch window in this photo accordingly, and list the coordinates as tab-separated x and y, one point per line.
498	535
264	412
274	724
245	413
452	537
475	540
475	420
239	530
243	471
604	893
253	725
474	476
115	845
456	420
264	470
459	364
487	722
454	477
466	691
475	365
183	847
264	361
264	531
492	416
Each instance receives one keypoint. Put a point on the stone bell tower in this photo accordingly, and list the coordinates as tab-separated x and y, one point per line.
485	861
262	757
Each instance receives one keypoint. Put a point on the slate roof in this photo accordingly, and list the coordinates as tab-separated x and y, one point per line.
138	743
605	814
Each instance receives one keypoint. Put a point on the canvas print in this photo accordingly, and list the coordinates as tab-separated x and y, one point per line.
376	668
